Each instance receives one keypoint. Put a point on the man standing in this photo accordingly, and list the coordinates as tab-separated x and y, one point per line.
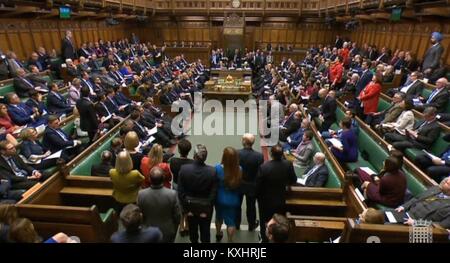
273	178
250	161
68	47
197	187
432	58
165	202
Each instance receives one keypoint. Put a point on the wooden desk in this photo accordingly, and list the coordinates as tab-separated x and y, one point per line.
222	73
222	90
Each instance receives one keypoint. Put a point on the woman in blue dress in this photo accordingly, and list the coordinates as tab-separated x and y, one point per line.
229	176
348	152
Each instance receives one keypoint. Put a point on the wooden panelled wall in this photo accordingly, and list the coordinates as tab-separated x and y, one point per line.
24	36
298	35
413	36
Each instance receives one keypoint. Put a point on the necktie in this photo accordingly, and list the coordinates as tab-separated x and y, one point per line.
21	109
62	135
15	169
26	81
421	125
109	113
432	95
112	101
311	171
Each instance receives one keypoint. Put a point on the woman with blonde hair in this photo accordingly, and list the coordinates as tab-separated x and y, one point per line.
131	142
126	181
155	158
229	175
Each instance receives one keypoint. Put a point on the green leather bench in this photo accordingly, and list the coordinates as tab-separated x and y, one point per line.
376	156
84	167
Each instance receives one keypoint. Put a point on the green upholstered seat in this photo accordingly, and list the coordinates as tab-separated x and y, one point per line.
106	216
8	88
383	104
84	167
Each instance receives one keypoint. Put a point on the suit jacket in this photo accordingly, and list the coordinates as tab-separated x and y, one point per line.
67	49
366	77
88	116
165	201
415	90
7	173
427	134
197	180
22	87
101	169
54	142
318	178
392	113
439	101
20	114
329	107
438	210
250	161
370	97
57	103
39	105
28	148
271	182
389	191
432	57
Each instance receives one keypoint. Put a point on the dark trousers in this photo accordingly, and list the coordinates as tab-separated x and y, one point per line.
326	124
196	223
400	142
265	214
250	202
91	135
437	172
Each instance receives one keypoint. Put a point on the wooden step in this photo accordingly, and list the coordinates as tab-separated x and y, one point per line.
306	202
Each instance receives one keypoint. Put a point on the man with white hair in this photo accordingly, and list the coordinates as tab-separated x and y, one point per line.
432	204
317	174
438	98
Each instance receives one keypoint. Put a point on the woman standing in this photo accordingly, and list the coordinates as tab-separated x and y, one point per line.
155	159
370	95
126	181
229	177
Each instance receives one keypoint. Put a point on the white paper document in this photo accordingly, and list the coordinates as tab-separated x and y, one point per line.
390	217
54	155
301	181
336	142
152	131
359	194
432	156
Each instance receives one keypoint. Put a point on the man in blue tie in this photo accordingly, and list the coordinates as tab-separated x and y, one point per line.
438	98
55	139
21	114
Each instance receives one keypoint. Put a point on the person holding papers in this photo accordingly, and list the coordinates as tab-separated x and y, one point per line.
55	139
432	204
345	149
34	153
315	175
436	167
388	189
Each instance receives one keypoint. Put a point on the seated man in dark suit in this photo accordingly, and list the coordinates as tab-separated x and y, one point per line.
22	114
432	204
102	169
422	136
113	106
56	103
436	167
55	139
14	170
317	174
22	84
37	79
35	101
286	131
412	88
438	98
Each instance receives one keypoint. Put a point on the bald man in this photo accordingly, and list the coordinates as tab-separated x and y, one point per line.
250	161
438	98
317	174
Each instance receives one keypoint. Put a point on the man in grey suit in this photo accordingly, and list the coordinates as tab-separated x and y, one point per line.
432	57
317	174
160	206
433	204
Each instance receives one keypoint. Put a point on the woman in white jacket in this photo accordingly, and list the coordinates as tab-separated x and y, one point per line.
404	121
